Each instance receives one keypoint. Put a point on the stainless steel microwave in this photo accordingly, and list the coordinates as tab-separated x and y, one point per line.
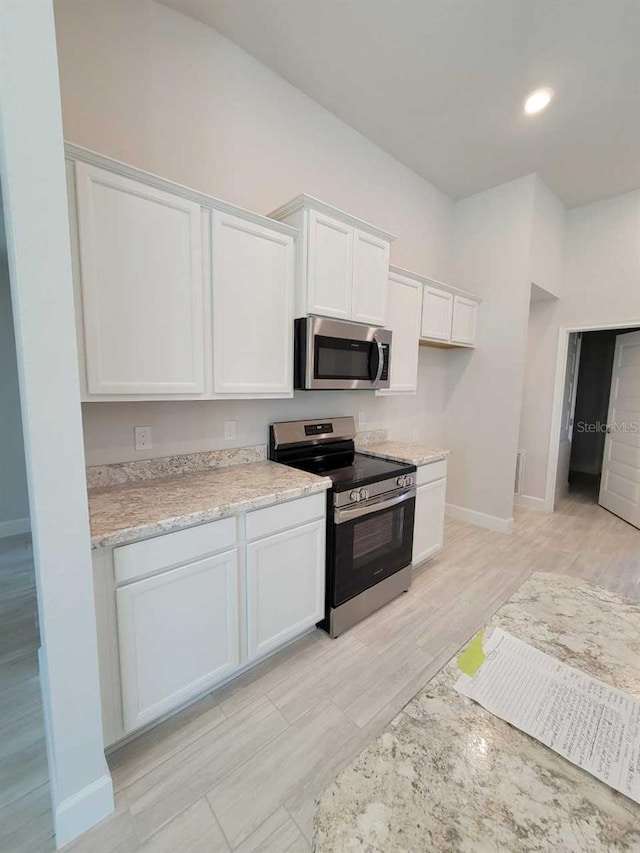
336	355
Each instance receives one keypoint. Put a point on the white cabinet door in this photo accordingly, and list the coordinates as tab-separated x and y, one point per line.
178	635
463	329
428	531
253	283
370	279
142	287
437	311
404	321
330	267
285	586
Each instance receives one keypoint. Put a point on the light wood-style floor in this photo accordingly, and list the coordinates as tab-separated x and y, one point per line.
26	822
240	770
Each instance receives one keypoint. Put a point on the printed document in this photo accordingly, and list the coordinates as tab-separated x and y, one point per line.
593	725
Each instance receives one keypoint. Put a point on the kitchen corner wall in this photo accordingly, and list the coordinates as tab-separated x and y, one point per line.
154	88
493	240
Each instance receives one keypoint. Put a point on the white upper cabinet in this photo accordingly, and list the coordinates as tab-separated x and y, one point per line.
143	301
343	264
437	311
253	283
178	295
463	329
448	316
370	277
330	266
404	306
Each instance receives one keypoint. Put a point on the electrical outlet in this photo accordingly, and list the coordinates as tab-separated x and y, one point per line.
362	418
229	430
143	438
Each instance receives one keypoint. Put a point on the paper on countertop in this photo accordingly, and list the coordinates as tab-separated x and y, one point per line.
593	725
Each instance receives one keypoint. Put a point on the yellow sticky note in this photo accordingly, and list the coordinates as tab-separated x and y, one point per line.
473	656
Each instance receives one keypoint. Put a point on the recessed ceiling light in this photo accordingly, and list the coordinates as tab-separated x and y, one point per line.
538	100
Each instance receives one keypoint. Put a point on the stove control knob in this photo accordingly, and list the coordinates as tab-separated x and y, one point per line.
401	481
364	494
408	481
355	495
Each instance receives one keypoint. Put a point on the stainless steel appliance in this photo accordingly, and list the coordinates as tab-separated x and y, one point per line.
370	515
332	354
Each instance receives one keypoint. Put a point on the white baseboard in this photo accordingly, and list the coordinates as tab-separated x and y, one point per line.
480	519
81	811
14	527
530	502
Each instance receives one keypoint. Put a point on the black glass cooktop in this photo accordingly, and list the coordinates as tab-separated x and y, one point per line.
349	469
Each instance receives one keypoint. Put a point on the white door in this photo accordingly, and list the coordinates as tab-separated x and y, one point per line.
370	279
463	326
568	409
330	267
285	586
620	484
428	531
437	312
253	281
142	287
178	635
403	319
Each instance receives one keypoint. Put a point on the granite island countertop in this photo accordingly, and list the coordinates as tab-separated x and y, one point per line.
131	511
401	451
448	776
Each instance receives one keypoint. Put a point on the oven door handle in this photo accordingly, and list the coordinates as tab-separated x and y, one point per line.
348	514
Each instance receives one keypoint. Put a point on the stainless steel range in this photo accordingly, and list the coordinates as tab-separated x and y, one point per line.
370	514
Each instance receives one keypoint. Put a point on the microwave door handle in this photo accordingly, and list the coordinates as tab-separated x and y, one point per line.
375	379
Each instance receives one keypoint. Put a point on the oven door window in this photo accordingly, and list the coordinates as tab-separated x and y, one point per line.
341	358
370	548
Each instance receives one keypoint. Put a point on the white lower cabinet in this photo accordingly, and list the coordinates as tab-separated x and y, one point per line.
178	635
428	532
180	613
285	586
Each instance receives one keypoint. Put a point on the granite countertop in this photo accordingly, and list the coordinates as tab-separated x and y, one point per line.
399	451
135	510
447	776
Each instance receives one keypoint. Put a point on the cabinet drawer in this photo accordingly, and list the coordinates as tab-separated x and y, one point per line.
264	522
173	549
433	471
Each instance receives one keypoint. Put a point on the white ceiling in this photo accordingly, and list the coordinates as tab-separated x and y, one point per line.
439	84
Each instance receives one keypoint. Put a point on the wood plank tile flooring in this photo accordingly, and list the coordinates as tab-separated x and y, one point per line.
241	769
26	824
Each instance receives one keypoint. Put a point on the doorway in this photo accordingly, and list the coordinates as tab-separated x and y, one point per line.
599	458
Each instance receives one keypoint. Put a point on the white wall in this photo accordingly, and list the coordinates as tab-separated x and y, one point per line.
35	209
547	239
601	285
14	502
535	420
546	273
177	98
492	239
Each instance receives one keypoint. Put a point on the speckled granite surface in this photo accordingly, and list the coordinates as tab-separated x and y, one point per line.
447	776
171	466
121	514
371	436
400	451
